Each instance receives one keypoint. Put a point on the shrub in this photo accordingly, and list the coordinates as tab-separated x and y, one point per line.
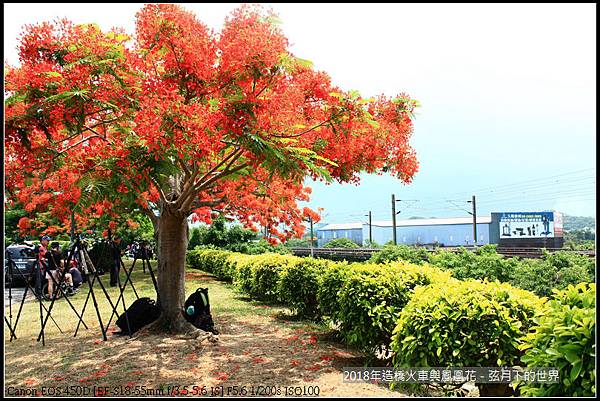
562	260
257	248
390	253
215	261
372	297
565	338
299	285
330	282
534	275
341	243
485	263
467	323
554	271
260	276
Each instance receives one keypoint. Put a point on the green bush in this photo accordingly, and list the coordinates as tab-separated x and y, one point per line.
554	271
372	297
299	285
411	254
341	243
215	261
564	338
465	323
258	247
260	276
331	281
535	275
562	260
485	263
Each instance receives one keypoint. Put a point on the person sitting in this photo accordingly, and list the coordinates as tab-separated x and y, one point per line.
76	275
55	270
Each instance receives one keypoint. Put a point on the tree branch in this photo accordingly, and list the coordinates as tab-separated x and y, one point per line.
183	198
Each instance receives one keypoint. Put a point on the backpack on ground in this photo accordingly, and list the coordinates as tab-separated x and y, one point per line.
141	312
197	311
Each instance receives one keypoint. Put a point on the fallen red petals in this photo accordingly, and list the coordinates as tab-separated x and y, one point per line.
58	378
258	359
312	340
295	363
221	376
314	368
326	358
30	382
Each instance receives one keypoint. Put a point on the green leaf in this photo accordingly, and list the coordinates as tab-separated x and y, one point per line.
304	63
54	74
576	370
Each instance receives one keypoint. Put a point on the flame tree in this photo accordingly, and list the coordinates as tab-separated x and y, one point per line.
179	121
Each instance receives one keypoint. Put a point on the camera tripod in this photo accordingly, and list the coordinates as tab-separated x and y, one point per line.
79	252
145	261
28	287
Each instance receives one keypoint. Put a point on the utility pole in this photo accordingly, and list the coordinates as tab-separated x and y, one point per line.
312	250
474	222
394	218
370	230
474	214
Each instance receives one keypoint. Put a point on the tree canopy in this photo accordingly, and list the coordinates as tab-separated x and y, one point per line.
180	119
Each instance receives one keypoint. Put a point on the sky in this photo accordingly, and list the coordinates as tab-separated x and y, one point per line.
508	95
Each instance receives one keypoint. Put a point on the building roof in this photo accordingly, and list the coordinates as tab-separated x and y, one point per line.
411	222
342	226
433	222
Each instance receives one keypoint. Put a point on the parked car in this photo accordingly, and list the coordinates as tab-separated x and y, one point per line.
24	256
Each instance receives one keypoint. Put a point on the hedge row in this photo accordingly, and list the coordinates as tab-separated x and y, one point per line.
420	313
555	270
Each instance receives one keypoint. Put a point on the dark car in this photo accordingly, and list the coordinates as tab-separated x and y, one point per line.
24	257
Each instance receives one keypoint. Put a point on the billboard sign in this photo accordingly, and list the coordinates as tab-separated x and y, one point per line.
528	225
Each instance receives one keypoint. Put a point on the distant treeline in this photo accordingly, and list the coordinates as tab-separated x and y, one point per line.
572	223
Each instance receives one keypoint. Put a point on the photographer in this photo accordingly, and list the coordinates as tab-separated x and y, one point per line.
55	267
76	275
42	250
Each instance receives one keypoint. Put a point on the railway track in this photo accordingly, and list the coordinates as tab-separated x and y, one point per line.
365	253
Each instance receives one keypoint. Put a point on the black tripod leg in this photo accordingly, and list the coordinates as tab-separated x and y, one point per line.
30	288
96	306
128	274
87	298
19	312
12	332
121	289
128	279
153	279
12	279
54	295
41	313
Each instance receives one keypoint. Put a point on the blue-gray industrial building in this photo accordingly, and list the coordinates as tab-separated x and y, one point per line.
506	229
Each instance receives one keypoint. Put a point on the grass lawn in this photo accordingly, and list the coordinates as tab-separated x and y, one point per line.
259	345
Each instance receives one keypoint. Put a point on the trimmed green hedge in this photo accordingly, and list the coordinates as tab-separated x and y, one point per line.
424	315
565	339
372	296
299	286
464	323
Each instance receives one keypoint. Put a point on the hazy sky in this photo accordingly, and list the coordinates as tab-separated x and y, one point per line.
508	95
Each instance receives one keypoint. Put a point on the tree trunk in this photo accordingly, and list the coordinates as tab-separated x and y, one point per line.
172	245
